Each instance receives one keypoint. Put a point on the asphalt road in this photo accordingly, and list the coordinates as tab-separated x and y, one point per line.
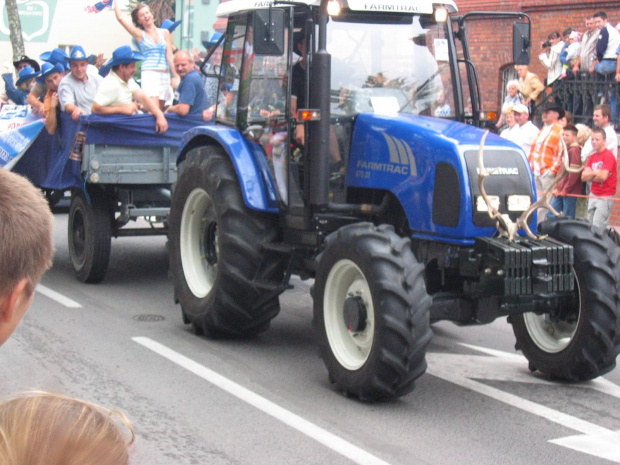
267	400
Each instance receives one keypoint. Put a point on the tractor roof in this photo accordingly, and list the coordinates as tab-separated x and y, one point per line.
388	6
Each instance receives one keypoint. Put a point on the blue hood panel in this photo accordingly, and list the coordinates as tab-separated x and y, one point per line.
400	153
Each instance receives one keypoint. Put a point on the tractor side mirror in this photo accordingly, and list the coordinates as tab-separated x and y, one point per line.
269	32
521	43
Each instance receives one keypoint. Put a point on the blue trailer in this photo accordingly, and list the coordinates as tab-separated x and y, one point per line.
118	170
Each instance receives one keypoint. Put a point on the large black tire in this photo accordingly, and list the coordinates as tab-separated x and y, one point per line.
89	235
583	341
53	196
226	283
371	312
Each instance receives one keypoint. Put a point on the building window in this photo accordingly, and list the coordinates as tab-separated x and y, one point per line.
187	31
509	73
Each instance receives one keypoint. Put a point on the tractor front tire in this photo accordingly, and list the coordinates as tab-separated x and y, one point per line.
371	312
584	341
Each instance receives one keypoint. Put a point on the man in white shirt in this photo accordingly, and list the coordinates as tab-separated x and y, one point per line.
78	88
527	132
601	117
588	47
118	90
606	45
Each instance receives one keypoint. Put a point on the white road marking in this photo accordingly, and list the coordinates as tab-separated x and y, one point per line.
522	374
604	446
61	299
302	425
460	369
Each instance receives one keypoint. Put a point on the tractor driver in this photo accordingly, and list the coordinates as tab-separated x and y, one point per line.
298	101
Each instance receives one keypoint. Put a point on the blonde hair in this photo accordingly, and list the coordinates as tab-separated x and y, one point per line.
583	133
39	428
26	227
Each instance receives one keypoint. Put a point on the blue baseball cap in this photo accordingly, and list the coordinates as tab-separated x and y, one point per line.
170	25
55	56
213	40
48	69
124	55
78	54
26	73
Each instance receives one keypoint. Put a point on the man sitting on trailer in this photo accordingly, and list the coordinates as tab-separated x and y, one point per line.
50	77
78	88
190	98
118	92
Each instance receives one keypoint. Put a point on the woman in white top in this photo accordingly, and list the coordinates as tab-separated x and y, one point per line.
156	46
550	58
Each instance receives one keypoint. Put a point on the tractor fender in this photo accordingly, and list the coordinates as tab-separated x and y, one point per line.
256	182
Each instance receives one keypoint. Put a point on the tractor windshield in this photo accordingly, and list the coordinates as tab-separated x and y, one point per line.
390	68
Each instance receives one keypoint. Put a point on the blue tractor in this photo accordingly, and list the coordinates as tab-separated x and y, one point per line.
346	148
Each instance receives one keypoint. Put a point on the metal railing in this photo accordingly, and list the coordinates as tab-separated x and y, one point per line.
580	93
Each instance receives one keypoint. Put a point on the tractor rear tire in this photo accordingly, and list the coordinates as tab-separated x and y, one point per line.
89	235
585	342
226	283
371	312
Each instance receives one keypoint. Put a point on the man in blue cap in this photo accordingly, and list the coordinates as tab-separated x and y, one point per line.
39	91
118	91
10	90
211	71
19	92
50	78
78	89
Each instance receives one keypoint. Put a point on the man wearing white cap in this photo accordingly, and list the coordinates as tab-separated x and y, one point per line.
527	132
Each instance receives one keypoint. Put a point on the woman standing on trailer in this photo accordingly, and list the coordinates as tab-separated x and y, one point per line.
156	46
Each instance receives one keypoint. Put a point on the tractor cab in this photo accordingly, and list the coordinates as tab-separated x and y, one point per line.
382	62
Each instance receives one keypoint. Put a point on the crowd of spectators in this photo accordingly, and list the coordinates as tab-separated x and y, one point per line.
594	151
592	54
74	82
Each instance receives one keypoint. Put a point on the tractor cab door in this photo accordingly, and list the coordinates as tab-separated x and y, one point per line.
254	96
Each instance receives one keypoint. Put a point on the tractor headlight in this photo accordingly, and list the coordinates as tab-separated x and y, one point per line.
481	205
519	203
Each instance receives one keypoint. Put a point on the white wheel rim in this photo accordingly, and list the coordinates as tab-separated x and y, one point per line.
552	336
197	226
350	348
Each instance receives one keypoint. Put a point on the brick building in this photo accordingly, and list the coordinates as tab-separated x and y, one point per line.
490	41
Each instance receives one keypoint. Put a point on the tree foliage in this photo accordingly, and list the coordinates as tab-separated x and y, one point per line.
161	9
15	28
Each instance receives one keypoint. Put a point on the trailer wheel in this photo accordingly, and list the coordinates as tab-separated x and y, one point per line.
225	281
89	235
53	196
584	340
371	312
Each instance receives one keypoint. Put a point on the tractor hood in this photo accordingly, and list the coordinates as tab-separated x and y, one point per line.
431	167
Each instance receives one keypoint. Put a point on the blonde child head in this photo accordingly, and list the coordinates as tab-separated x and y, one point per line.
583	134
39	428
